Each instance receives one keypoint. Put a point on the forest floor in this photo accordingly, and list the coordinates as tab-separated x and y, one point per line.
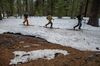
14	42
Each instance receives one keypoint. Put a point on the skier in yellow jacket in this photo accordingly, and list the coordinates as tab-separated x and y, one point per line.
49	18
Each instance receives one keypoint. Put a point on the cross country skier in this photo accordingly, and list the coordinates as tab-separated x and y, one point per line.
49	18
26	20
80	18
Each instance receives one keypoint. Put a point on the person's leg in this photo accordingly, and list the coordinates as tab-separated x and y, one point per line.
27	22
47	24
51	25
76	25
24	21
80	24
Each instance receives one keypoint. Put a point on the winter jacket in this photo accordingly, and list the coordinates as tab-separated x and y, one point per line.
49	17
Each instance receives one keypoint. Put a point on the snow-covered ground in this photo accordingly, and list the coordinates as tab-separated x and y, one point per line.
22	56
88	39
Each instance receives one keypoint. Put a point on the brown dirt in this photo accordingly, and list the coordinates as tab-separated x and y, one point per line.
12	42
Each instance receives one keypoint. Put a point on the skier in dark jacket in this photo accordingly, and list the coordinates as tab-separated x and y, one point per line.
26	20
80	18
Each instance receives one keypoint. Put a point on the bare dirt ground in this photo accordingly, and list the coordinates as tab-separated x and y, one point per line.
15	42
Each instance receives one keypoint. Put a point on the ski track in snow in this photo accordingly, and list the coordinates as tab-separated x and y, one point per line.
88	39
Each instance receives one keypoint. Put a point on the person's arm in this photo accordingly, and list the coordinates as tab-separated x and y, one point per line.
84	20
52	19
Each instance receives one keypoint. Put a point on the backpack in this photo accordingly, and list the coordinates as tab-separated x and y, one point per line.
49	17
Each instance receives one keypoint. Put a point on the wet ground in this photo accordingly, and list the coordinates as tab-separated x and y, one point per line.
10	42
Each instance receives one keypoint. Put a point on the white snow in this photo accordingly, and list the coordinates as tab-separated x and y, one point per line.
22	56
87	39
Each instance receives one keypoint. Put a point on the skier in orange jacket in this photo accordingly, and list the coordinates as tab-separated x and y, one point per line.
26	20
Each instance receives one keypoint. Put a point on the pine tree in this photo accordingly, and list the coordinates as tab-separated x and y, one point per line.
94	17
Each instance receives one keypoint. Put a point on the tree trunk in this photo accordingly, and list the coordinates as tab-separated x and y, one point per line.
0	16
81	7
11	7
72	9
26	6
86	8
94	17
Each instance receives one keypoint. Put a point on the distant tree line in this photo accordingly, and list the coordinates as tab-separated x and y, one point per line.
44	7
54	7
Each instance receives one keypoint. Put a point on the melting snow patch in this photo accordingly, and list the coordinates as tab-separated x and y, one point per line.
22	56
